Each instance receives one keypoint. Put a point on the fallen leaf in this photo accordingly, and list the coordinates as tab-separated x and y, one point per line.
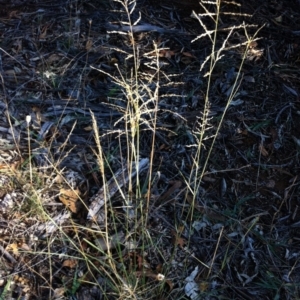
175	185
188	54
59	293
178	240
263	150
203	286
170	284
113	61
208	179
53	58
13	248
43	33
24	247
14	14
140	261
191	288
159	268
70	198
181	242
70	263
278	19
166	53
88	45
12	166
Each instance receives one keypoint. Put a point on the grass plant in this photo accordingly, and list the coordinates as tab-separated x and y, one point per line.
141	108
146	245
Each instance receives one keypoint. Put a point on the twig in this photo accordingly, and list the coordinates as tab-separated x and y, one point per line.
7	255
120	178
141	28
228	170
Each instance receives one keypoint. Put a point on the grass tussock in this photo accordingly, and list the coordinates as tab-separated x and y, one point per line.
136	195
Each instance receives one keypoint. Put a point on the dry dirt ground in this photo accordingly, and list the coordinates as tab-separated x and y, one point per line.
236	237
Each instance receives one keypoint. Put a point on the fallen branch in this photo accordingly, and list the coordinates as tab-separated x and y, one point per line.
120	178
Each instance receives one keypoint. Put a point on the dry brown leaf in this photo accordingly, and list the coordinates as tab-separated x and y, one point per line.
170	284
113	61
208	179
159	268
164	147
12	166
70	263
178	240
89	45
13	248
58	179
53	58
14	14
203	286
188	54
70	198
43	33
263	150
176	184
140	261
166	53
59	293
181	242
24	247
